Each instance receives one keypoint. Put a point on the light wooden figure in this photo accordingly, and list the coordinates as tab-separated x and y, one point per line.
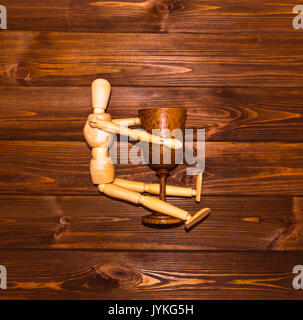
98	132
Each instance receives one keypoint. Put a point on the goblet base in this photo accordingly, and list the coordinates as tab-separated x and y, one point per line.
158	219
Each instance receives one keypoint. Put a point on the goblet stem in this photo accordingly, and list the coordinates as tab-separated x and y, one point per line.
163	176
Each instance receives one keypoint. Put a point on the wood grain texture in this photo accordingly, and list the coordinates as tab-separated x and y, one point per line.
227	114
151	15
98	222
237	69
150	275
62	59
41	167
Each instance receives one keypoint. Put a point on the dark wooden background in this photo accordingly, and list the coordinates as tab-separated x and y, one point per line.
237	66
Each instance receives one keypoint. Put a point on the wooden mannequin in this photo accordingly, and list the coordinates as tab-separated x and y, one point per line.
98	132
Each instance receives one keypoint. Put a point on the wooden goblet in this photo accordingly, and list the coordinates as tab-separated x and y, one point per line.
162	122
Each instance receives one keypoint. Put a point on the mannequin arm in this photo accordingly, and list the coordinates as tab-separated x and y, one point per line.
127	122
135	133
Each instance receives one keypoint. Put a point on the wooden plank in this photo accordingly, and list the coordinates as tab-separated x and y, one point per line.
150	275
62	59
227	114
82	222
41	167
151	16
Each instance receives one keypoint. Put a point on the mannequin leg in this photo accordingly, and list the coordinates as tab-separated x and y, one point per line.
118	192
154	188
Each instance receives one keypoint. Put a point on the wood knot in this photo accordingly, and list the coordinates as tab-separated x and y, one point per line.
61	226
22	73
163	6
160	7
111	276
120	274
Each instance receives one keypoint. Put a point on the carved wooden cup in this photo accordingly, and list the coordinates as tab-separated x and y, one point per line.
166	123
